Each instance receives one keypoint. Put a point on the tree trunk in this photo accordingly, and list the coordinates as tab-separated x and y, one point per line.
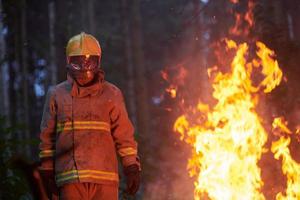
91	16
143	122
15	73
13	76
290	26
83	15
52	57
61	36
200	55
197	28
294	23
2	50
24	61
281	21
3	72
128	62
141	89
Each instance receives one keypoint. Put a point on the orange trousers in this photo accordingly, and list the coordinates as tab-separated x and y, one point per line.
88	191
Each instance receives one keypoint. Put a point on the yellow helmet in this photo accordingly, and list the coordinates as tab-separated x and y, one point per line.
83	44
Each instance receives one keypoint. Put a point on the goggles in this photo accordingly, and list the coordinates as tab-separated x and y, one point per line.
79	63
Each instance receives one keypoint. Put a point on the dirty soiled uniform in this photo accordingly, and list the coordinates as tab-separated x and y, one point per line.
82	130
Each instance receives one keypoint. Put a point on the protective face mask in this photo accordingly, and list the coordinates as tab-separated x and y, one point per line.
83	69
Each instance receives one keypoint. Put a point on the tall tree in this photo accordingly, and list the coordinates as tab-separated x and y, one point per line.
200	50
91	16
62	28
3	71
141	86
25	74
83	15
128	61
52	45
293	9
280	20
12	56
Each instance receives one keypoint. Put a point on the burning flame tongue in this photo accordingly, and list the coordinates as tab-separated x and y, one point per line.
290	167
228	144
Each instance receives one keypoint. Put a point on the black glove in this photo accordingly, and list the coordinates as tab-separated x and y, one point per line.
132	174
49	182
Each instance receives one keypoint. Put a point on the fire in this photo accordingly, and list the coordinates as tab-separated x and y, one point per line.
281	124
243	21
289	167
228	139
172	91
174	81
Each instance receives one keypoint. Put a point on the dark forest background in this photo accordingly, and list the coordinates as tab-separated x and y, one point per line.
139	38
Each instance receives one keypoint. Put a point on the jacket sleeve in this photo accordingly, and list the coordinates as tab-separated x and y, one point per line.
123	132
48	130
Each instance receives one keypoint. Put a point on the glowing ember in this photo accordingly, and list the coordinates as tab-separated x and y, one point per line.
234	1
174	81
228	144
298	129
172	91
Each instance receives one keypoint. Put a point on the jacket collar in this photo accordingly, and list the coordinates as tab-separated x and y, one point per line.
79	91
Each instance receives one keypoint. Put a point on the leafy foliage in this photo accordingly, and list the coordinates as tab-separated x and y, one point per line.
13	184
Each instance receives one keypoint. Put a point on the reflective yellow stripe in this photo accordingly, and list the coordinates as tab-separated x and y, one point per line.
67	178
67	173
46	153
83	125
87	174
86	122
85	171
84	128
127	151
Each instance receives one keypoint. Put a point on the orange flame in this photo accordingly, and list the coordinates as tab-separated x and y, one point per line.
228	145
229	142
172	91
289	167
174	81
281	124
228	139
249	18
298	129
244	21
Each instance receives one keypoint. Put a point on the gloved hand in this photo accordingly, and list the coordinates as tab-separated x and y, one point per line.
49	182
132	174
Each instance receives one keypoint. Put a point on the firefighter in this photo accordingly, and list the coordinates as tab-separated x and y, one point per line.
84	126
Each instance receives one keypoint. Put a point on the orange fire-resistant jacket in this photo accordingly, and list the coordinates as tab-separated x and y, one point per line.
82	129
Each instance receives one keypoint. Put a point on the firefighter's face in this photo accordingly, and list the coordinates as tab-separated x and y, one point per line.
83	68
